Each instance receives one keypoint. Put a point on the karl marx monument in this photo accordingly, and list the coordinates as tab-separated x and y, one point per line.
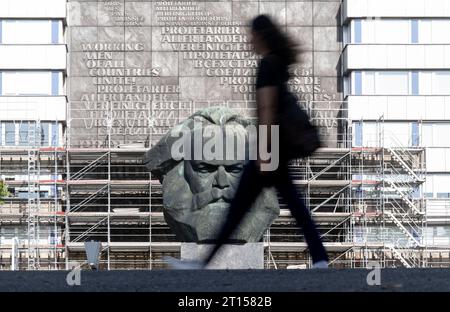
197	192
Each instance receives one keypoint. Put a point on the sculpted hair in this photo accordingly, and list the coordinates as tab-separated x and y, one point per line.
220	116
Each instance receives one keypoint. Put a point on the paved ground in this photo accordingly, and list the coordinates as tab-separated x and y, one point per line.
392	280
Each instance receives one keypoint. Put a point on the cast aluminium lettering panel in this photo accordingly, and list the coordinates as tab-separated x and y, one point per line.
141	67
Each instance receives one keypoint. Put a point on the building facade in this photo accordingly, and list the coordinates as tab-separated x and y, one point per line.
396	74
33	104
86	87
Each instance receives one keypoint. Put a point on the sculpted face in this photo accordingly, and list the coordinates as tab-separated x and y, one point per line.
213	183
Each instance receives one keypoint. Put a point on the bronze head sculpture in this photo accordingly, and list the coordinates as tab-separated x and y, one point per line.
197	192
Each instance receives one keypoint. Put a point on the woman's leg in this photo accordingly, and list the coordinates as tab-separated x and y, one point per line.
249	187
301	214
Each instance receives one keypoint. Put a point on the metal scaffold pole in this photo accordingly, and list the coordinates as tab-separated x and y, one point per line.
34	140
66	215
54	142
383	171
109	125
150	125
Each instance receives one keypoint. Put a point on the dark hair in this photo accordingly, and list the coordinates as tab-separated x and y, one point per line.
278	42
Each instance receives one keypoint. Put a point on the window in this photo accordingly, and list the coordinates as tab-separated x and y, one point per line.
30	83
45	133
438	160
386	83
368	83
434	31
414	31
415	136
358	191
436	134
55	32
370	135
427	135
347	86
52	239
358	134
392	31
25	194
55	133
382	31
396	134
439	31
400	31
357	32
358	234
17	133
10	133
53	192
23	133
391	83
414	83
347	33
22	194
55	83
416	192
358	83
441	83
27	31
49	134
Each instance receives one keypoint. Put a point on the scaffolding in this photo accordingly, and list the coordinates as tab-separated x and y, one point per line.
367	201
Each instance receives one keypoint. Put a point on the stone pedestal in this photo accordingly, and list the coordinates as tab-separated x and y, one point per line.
245	256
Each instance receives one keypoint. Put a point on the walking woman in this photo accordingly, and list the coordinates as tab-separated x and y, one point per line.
278	53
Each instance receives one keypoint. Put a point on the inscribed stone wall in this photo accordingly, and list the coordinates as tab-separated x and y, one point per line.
136	68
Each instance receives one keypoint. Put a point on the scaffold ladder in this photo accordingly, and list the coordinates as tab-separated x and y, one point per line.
34	131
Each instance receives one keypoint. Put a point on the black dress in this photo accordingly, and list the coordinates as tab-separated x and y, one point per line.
271	72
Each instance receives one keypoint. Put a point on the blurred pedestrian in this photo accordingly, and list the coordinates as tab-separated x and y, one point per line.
275	106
